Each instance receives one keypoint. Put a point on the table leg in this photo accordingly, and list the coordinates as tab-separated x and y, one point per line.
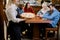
36	32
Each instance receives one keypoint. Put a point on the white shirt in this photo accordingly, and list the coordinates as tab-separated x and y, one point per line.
12	13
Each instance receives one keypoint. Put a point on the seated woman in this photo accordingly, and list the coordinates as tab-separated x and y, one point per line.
43	10
28	8
40	13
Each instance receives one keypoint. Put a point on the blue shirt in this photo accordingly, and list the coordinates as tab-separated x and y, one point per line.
54	17
59	14
20	11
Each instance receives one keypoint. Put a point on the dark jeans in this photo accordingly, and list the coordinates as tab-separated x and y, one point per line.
25	26
30	31
14	30
43	27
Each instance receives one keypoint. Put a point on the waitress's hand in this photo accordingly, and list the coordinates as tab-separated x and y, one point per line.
23	19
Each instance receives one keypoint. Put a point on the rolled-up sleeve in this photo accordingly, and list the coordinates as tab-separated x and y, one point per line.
54	14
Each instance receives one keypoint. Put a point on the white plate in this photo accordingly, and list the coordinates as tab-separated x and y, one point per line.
28	15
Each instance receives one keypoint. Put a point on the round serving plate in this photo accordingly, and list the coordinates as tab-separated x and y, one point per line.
27	15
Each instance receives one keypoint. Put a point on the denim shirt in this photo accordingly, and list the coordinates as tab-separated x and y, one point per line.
20	11
59	14
54	17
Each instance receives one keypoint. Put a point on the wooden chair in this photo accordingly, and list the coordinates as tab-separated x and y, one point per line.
52	29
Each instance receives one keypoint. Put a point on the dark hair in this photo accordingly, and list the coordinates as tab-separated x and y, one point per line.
53	5
27	4
20	6
50	12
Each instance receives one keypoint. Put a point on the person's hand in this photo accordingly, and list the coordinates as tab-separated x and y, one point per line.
41	15
22	19
19	20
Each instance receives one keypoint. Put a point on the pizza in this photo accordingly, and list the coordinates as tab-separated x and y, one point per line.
27	15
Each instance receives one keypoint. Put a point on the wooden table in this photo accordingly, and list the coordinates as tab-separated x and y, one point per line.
35	21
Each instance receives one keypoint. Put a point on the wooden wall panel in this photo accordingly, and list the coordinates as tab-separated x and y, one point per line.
36	8
1	21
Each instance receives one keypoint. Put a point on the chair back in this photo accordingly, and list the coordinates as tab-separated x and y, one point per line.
5	17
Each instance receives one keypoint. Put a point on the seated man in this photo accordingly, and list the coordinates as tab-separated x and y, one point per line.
23	24
25	28
52	15
20	10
